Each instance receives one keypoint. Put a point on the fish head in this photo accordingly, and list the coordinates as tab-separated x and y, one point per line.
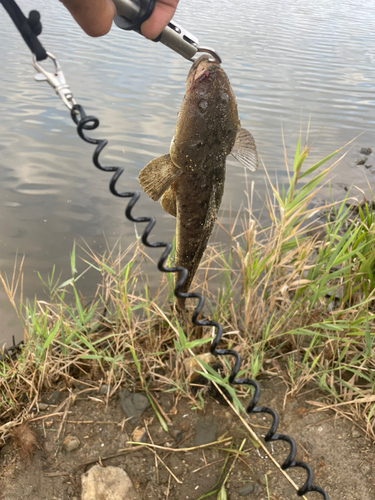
208	120
200	67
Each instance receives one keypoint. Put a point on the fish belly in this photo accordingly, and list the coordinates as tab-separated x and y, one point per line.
198	197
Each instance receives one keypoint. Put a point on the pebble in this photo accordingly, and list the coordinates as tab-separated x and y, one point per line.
71	443
54	398
48	424
261	478
104	389
176	434
192	367
361	161
122	440
246	490
107	483
365	151
356	433
257	490
205	432
252	489
139	435
43	406
133	405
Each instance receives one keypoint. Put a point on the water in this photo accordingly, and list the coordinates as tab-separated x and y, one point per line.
289	61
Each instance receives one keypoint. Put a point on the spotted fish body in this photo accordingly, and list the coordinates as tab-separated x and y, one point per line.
190	179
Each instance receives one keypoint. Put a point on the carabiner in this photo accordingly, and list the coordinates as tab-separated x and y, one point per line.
56	80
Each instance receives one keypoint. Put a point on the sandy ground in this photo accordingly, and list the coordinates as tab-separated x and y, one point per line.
342	459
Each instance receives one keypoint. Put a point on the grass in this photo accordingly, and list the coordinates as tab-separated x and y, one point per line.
293	303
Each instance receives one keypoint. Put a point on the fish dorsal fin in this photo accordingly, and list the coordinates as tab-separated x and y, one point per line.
168	202
244	150
156	177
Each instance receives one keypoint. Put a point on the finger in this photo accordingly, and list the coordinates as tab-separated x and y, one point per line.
163	12
94	16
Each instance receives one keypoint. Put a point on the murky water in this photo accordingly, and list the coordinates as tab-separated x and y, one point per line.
288	60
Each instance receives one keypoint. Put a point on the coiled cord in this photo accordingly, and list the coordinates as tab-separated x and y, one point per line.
85	122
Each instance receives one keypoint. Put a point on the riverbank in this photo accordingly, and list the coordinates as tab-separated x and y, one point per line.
83	427
296	303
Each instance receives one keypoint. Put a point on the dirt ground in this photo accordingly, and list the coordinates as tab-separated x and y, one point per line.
342	459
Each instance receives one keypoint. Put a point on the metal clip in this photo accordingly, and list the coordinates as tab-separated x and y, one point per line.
130	13
56	80
215	56
184	43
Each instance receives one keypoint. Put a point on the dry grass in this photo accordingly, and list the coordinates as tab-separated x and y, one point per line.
291	304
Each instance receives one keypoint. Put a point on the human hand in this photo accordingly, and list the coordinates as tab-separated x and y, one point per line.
161	15
95	16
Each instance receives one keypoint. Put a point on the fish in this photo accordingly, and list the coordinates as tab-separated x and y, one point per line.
189	181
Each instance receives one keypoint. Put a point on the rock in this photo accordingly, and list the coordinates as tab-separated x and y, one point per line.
257	490
54	398
107	483
139	435
192	366
133	405
104	389
365	151
122	440
205	432
71	443
246	490
361	161
176	434
43	406
261	478
356	433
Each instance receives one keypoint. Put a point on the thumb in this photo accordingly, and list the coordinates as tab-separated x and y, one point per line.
94	16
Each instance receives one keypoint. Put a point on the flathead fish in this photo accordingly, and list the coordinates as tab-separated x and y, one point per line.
190	179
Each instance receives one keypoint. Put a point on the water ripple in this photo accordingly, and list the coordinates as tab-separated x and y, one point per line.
289	62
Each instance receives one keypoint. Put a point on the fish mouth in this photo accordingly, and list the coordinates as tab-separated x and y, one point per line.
200	68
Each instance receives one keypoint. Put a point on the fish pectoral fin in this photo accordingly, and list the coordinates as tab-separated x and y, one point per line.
168	202
244	150
156	177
